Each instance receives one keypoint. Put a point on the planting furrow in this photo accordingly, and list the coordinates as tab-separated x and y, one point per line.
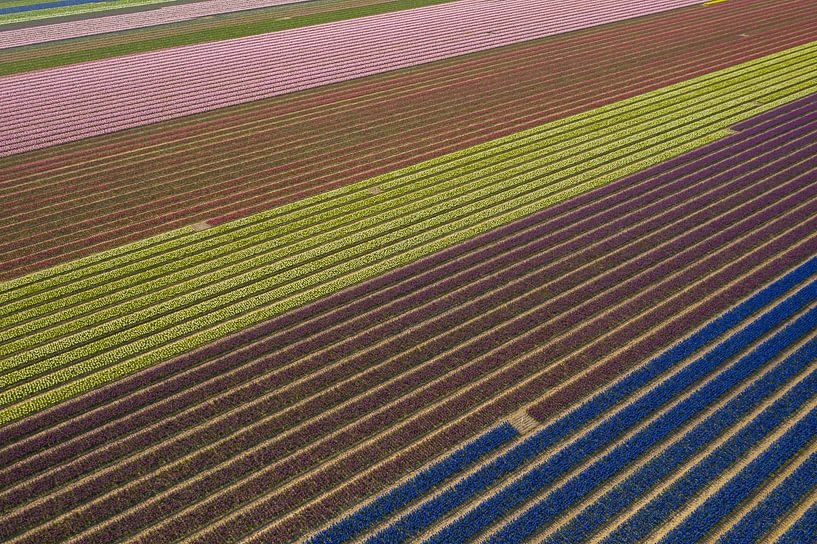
803	529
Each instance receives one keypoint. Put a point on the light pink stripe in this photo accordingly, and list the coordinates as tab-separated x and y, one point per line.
126	21
68	103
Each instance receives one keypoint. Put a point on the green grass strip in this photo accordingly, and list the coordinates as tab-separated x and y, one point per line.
262	266
273	23
79	9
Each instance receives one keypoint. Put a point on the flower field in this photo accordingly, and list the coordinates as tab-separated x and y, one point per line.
554	283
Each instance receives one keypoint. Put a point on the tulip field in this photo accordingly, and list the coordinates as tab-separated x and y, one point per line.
459	271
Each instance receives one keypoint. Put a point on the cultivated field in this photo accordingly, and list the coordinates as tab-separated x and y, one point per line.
561	290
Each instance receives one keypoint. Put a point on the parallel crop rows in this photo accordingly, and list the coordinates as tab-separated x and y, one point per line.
54	106
70	332
230	165
285	425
